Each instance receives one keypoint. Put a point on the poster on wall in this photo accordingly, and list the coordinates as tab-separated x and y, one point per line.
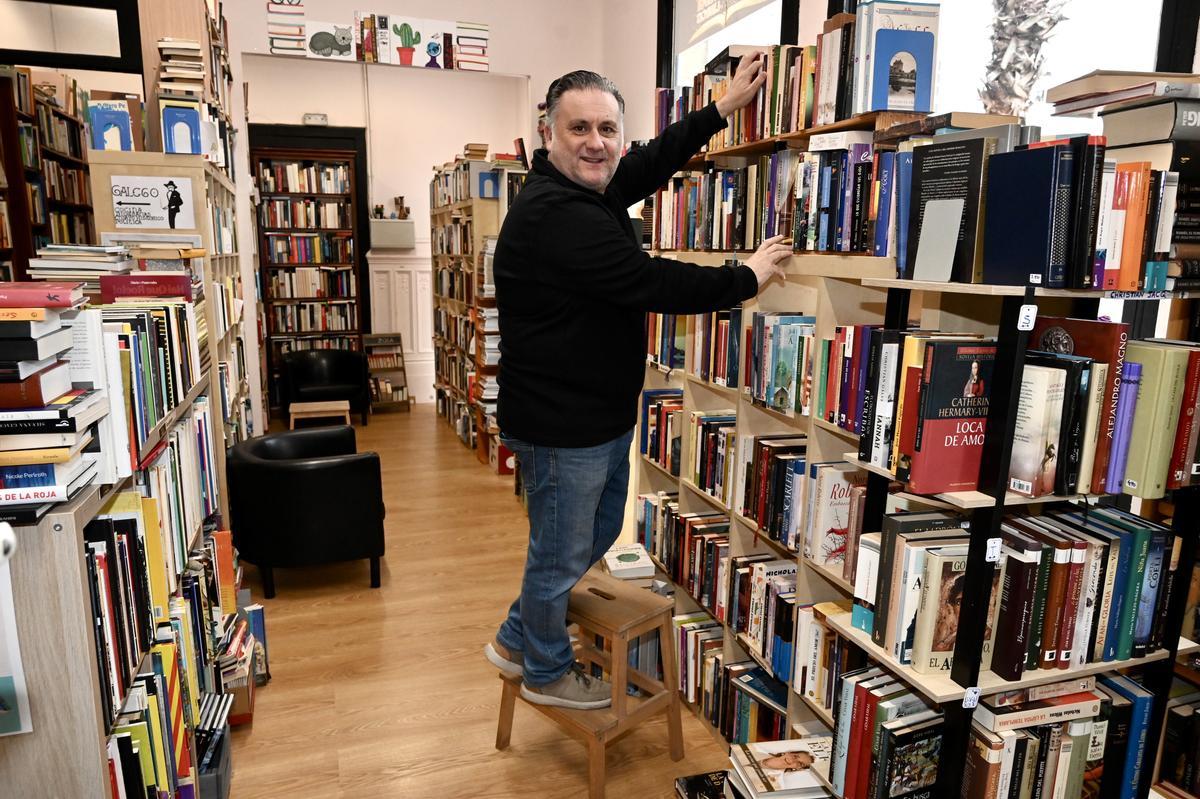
285	27
471	46
437	51
163	203
14	698
329	41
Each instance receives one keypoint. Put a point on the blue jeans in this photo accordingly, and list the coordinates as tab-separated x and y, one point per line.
576	508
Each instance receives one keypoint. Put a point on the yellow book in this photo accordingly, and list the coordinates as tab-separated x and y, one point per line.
1155	417
158	738
22	314
130	505
154	530
187	640
140	735
29	457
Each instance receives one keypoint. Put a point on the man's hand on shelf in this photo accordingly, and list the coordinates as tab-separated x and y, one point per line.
747	80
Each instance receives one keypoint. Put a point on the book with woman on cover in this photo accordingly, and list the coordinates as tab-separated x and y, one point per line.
785	768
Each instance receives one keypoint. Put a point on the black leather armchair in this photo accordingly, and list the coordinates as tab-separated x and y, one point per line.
326	375
305	498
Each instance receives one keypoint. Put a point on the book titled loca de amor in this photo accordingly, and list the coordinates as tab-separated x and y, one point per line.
952	421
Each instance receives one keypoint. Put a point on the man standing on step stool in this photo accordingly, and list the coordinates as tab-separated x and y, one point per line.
573	287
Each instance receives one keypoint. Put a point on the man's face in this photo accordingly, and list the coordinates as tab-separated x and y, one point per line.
586	138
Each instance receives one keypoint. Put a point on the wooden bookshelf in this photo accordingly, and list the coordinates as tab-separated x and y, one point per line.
285	218
44	155
460	220
385	362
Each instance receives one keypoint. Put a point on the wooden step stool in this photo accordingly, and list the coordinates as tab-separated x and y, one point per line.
618	612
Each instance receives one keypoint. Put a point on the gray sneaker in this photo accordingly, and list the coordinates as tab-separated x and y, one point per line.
509	661
574	690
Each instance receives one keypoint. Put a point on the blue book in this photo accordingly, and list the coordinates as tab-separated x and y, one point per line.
733	366
1028	217
181	129
791	500
902	74
1139	724
111	125
883	220
823	203
836	200
1148	597
903	189
765	688
34	476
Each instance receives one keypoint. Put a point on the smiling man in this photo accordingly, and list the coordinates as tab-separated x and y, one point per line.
573	287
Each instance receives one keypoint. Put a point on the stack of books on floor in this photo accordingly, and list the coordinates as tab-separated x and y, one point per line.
45	419
78	262
781	769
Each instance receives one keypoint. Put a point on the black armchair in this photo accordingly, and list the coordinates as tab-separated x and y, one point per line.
326	375
305	498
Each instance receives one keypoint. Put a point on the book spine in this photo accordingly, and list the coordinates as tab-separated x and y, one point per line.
1133	591
1066	640
1131	378
1037	622
870	397
1179	467
1016	600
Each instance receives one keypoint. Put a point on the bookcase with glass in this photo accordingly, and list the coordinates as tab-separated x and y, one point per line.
903	487
464	212
308	253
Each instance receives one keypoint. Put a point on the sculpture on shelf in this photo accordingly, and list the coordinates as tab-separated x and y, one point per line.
402	211
408	42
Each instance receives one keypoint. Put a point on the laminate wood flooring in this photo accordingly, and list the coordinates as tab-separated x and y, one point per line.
386	693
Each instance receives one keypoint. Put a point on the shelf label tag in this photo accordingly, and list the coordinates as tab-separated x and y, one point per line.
993	550
971	698
1027	318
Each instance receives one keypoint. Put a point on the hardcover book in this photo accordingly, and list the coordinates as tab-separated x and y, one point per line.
1035	452
953	171
941	601
952	418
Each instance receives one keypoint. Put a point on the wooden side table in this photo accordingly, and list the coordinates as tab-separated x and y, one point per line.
318	410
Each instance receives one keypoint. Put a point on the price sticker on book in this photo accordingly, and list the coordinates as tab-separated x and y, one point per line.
971	698
1027	318
993	550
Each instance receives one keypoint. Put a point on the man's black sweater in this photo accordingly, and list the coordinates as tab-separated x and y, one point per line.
573	287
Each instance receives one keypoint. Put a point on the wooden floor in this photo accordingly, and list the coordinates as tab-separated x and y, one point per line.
386	693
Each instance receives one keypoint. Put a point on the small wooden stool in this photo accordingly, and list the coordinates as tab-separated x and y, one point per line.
318	410
618	612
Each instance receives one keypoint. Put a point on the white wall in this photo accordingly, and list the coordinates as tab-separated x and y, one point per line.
416	118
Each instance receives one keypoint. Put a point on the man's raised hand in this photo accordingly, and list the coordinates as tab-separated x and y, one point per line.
749	78
767	260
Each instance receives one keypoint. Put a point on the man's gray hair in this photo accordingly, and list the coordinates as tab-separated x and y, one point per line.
581	79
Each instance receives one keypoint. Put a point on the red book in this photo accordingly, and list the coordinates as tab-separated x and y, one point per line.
850	405
1067	636
37	390
951	416
866	731
144	284
908	424
858	710
40	294
1179	473
1103	342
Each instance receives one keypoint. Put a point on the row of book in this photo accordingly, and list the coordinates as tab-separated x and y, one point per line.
285	345
666	340
313	282
1070	588
59	134
67	184
5	226
1086	394
453	237
716	344
308	248
727	208
292	177
452	283
463	178
307	317
304	213
1081	737
738	698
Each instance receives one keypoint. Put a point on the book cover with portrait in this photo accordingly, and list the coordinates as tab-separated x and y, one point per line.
785	768
952	418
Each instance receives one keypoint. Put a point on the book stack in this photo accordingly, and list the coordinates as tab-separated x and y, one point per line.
666	340
474	151
662	426
180	70
82	263
46	419
1083	737
716	347
887	740
792	769
628	562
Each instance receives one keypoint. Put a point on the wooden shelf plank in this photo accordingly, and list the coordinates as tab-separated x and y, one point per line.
968	500
659	468
830	576
940	688
732	393
821	713
704	495
833	428
986	290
